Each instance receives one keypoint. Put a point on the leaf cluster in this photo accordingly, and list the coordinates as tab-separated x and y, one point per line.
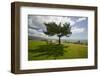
57	29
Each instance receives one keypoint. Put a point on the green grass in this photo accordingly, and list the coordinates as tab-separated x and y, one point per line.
40	50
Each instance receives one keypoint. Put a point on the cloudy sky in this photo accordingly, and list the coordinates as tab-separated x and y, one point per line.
79	26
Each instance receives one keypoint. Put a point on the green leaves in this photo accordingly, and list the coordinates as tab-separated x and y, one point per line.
66	29
51	28
54	29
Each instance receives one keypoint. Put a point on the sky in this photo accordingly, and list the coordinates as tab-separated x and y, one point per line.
79	26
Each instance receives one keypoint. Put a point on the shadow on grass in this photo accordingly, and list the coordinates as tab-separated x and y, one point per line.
49	50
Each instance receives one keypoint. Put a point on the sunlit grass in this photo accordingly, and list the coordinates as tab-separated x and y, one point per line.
40	50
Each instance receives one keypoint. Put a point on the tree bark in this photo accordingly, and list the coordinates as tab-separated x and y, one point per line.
59	40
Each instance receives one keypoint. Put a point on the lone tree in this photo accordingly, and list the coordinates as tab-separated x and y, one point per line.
56	29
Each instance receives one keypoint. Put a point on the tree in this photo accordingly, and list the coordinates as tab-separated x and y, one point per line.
53	29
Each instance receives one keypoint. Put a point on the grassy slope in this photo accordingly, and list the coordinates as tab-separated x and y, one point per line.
69	51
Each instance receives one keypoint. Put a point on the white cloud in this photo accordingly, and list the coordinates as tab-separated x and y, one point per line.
77	30
81	19
56	19
72	22
36	26
33	32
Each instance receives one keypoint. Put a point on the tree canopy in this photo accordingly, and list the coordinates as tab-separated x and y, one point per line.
58	29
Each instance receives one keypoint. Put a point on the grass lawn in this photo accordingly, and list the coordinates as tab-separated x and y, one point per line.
40	50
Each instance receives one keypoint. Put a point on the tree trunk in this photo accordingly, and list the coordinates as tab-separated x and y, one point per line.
59	40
